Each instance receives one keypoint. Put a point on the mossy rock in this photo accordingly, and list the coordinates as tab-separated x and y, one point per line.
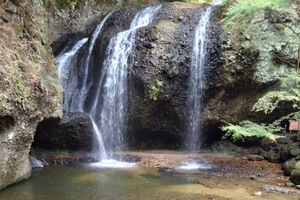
297	166
288	167
295	176
295	151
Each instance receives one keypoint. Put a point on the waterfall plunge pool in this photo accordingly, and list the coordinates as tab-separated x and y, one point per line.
86	182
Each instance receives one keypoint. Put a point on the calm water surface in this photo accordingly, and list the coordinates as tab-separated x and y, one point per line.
74	183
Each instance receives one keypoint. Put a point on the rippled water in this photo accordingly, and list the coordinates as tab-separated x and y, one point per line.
86	183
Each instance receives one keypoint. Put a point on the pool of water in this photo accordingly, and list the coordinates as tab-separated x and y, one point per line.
86	182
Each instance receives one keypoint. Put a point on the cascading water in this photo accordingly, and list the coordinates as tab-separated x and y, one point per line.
86	85
66	62
196	82
196	92
74	103
111	91
112	119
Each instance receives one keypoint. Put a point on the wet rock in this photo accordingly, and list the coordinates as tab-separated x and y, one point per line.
298	186
288	167
255	158
252	177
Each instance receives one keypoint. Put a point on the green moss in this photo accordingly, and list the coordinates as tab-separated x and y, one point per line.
62	152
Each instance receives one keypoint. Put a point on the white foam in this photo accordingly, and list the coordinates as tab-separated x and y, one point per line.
217	2
110	163
193	166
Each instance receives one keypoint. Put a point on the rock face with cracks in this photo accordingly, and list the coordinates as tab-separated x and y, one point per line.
29	87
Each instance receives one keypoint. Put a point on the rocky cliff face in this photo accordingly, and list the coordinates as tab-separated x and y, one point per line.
243	64
255	56
163	54
30	91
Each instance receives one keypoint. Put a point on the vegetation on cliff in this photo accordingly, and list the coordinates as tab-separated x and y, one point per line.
271	29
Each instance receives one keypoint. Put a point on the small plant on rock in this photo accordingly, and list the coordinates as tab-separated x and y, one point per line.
155	89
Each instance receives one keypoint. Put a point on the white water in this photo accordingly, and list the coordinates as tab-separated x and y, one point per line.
86	86
72	103
194	166
111	94
69	81
196	82
110	163
35	163
113	84
65	59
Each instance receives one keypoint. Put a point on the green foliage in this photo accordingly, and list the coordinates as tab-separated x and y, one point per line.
244	9
62	152
250	129
155	89
289	91
198	1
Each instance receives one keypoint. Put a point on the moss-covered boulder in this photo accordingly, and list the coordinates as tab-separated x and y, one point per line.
288	167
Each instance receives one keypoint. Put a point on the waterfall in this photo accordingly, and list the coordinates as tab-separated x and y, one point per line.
86	86
113	83
66	62
197	82
109	122
74	97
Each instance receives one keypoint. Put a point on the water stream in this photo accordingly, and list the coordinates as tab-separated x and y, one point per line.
111	91
112	117
196	82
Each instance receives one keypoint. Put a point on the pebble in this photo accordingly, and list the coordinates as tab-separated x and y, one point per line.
257	193
298	186
252	177
181	18
288	184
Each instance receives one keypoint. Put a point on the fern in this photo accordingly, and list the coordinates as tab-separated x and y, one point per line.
250	129
289	91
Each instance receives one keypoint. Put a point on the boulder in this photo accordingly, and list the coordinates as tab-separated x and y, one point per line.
295	176
255	158
288	167
74	132
284	140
